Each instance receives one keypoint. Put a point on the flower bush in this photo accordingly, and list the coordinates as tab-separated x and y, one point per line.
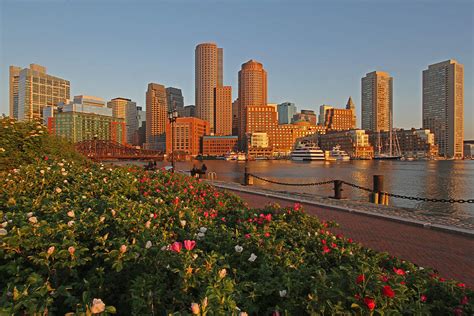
88	239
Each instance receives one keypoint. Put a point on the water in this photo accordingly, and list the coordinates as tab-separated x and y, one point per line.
431	179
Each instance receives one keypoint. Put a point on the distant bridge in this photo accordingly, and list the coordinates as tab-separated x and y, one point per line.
108	149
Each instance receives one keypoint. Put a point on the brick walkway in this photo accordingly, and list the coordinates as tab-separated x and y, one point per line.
451	254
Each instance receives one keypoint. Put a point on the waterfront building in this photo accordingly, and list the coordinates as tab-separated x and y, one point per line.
219	145
340	119
175	100
283	138
85	118
32	89
322	113
377	101
260	118
252	92
189	111
235	117
208	76
223	110
443	106
305	116
187	136
127	110
286	111
156	117
469	149
259	140
416	143
354	142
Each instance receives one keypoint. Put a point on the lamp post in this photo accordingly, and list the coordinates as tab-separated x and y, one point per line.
172	116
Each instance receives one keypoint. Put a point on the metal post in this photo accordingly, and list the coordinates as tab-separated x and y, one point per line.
247	177
172	149
378	188
337	189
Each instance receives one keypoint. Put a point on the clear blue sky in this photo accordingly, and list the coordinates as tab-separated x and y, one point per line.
314	52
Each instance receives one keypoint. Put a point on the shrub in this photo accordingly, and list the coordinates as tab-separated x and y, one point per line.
149	243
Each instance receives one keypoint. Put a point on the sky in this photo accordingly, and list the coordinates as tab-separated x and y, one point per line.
315	52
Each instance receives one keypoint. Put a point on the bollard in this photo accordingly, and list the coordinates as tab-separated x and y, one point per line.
337	189
248	180
378	188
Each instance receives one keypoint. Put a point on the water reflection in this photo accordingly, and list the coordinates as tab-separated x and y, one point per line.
432	179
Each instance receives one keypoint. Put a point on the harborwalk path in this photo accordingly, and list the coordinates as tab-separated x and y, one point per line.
430	242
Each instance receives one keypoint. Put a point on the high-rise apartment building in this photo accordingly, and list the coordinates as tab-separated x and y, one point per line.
175	100
156	117
235	117
252	92
31	89
377	102
127	110
443	106
286	111
223	110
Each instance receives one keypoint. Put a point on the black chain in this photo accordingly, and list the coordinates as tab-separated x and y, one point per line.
290	184
398	196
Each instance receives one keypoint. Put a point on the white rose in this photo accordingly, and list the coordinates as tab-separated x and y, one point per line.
282	293
29	214
3	232
203	229
33	220
239	248
252	257
148	244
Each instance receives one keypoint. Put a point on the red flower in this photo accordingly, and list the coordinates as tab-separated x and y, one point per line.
326	249
189	244
176	201
402	282
461	285
323	241
387	291
384	278
360	278
176	246
349	240
333	245
206	214
458	311
46	158
267	234
399	271
464	300
223	219
357	296
442	279
423	298
297	206
268	217
247	236
370	302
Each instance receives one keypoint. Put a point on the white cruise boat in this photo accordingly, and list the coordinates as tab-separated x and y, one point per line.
307	151
337	154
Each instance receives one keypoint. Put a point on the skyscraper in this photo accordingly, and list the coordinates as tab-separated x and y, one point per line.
351	106
175	100
126	109
156	117
32	89
377	101
13	82
208	76
252	92
213	100
286	110
443	106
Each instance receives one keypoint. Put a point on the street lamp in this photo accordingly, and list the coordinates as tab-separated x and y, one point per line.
172	116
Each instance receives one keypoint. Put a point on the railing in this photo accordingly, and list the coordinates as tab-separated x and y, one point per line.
377	193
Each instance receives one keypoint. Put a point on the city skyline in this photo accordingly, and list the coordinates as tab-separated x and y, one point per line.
292	77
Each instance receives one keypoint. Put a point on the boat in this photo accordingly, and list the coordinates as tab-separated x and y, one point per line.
241	157
230	156
306	151
337	154
392	153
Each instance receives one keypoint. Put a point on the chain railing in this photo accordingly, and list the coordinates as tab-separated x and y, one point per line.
338	189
